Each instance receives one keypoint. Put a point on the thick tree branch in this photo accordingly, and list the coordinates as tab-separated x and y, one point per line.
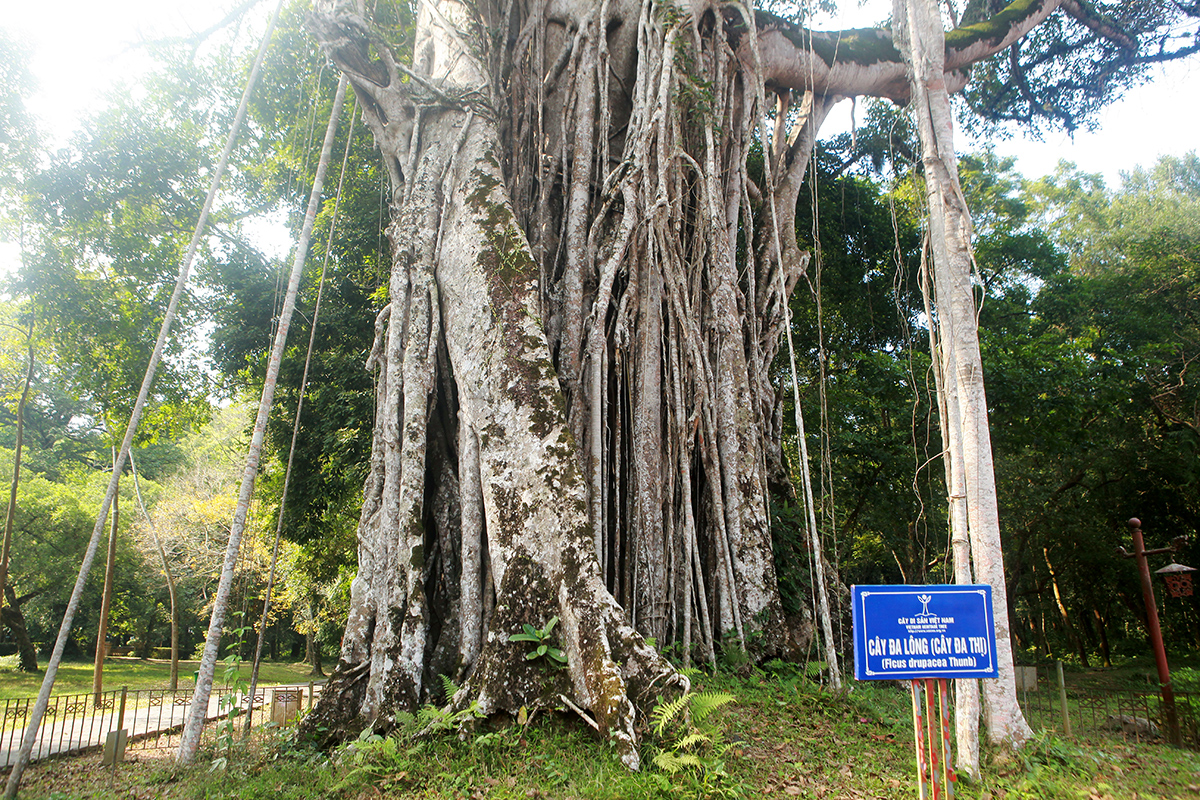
865	61
1082	12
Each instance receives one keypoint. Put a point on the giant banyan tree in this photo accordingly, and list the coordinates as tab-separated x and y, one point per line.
575	417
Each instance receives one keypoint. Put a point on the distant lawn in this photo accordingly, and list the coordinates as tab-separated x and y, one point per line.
75	677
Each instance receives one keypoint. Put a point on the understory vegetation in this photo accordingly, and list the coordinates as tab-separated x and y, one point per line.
1089	328
780	736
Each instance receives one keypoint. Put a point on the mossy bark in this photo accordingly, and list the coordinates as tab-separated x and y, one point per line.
575	414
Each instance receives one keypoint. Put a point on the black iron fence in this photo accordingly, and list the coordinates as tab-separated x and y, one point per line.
1129	714
152	718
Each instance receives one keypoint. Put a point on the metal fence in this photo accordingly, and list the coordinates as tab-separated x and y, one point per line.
153	718
1128	714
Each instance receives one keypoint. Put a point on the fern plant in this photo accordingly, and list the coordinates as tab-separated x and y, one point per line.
692	738
449	688
375	760
431	719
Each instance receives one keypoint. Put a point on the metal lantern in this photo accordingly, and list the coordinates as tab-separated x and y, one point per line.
1178	579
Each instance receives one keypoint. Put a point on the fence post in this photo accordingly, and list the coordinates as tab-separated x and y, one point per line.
1062	700
121	713
310	695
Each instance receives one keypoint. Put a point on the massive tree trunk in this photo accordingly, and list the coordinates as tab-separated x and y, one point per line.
575	417
573	385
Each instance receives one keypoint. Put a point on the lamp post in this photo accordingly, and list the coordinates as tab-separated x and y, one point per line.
1156	643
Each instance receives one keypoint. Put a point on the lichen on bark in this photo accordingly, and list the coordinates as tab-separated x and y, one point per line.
569	361
575	414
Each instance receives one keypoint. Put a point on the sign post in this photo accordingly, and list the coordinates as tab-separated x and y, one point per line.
926	634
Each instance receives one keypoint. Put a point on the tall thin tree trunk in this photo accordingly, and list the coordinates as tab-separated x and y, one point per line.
1102	630
166	565
966	707
190	738
1073	635
110	568
919	34
10	514
312	654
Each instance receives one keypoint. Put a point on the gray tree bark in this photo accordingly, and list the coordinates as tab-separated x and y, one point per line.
574	415
922	39
110	568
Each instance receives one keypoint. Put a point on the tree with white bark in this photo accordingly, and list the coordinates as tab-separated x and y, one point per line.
575	415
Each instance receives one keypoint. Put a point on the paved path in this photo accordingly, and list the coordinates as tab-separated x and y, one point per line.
75	733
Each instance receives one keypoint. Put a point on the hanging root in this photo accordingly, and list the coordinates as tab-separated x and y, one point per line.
572	394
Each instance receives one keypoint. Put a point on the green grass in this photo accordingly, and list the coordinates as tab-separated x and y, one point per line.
75	677
783	737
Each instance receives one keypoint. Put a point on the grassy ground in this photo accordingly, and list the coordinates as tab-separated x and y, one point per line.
75	677
782	737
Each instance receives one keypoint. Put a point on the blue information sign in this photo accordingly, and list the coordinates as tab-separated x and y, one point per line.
941	631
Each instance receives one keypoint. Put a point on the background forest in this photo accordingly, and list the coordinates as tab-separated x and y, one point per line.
1090	322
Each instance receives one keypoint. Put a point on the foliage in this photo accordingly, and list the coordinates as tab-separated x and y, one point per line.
863	364
107	226
332	452
1063	73
692	740
784	737
18	133
1095	379
1087	332
229	703
541	639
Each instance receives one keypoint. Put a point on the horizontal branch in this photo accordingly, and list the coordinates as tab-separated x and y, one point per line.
865	61
1082	12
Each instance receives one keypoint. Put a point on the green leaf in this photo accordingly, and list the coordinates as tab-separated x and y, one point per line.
664	712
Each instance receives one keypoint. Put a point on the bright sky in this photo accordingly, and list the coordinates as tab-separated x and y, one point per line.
81	48
1153	120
